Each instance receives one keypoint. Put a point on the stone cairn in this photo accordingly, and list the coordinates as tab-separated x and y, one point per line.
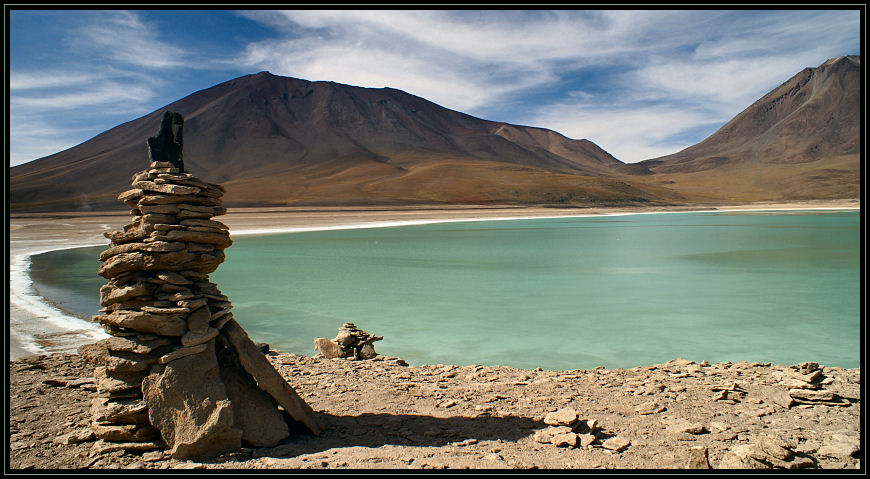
351	342
178	371
806	386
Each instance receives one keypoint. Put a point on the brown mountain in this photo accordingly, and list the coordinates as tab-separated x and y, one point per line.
800	141
272	140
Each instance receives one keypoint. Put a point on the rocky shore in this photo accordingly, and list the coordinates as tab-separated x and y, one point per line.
382	413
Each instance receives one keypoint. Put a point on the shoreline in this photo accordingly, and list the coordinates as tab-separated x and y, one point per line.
37	327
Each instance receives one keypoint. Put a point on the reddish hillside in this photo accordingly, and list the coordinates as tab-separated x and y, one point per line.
800	141
278	140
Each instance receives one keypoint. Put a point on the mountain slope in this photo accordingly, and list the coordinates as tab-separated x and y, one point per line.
274	140
800	141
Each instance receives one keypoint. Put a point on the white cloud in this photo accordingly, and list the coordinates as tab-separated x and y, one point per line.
128	96
674	69
453	86
629	80
35	138
629	134
125	37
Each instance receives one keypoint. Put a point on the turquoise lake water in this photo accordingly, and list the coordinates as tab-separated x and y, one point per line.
568	293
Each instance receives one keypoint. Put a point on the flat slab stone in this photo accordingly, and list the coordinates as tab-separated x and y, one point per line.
166	188
254	411
124	432
255	363
562	417
162	324
153	261
124	411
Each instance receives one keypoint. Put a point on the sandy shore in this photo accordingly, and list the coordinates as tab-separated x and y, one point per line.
38	328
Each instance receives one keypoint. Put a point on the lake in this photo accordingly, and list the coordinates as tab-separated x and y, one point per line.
566	293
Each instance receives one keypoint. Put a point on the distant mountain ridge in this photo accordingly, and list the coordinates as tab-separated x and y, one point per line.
280	140
272	140
800	141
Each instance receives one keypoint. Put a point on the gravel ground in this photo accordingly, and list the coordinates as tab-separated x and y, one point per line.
382	414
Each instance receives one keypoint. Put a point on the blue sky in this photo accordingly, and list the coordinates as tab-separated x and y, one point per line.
639	83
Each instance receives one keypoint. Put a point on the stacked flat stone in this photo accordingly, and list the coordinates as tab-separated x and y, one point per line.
178	370
806	383
350	342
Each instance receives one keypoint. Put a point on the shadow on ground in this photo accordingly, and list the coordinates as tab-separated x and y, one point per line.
376	430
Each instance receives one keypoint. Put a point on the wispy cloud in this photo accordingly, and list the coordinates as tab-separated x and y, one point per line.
640	83
104	65
668	72
125	38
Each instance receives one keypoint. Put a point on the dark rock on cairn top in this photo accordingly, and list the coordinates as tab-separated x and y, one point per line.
167	146
179	372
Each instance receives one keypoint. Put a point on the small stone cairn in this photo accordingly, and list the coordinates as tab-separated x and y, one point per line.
351	342
806	386
178	371
568	430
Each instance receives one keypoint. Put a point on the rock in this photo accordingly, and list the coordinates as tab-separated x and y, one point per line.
328	349
811	395
782	398
162	324
562	417
153	456
766	452
775	447
545	436
698	458
217	239
103	447
367	351
586	439
192	339
198	320
75	437
167	146
110	294
679	362
122	411
738	458
135	345
254	411
182	352
124	432
591	425
256	364
125	362
117	381
806	367
650	407
616	444
568	439
685	426
840	446
94	353
188	403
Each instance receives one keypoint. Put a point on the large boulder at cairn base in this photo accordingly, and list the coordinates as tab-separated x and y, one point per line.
188	403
